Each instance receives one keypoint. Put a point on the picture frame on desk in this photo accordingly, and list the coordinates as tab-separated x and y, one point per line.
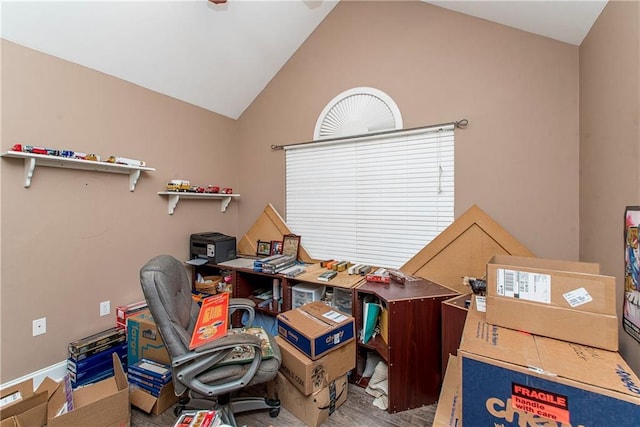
276	247
290	245
263	248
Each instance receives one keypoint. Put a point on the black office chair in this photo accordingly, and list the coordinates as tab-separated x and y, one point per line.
197	374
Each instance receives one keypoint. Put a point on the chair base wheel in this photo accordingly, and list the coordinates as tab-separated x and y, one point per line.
273	413
178	410
272	402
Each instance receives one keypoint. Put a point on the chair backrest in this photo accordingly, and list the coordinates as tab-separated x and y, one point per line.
167	290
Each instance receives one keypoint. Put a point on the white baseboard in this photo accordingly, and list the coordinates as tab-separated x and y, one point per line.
55	372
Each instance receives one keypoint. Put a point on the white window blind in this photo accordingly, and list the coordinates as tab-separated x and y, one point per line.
376	199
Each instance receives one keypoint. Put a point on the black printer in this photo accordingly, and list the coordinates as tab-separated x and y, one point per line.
216	247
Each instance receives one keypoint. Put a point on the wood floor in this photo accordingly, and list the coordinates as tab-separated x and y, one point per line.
356	411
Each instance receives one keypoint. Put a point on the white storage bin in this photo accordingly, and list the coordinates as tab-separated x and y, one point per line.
304	293
342	299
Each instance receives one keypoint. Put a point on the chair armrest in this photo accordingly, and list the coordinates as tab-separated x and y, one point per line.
219	345
243	304
188	367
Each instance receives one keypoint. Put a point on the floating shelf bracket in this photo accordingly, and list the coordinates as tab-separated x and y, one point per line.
29	168
174	198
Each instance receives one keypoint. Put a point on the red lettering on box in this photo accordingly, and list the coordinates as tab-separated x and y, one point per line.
553	406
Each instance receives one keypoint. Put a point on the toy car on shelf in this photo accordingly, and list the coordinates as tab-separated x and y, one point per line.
212	189
125	161
69	154
227	191
179	185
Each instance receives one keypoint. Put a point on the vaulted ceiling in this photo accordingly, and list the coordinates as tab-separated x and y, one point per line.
221	56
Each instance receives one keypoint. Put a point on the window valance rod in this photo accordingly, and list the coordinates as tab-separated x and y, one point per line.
460	124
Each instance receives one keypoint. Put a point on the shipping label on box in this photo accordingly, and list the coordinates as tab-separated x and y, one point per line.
310	376
509	378
144	340
553	298
315	329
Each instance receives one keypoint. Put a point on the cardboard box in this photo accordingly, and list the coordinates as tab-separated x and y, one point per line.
448	409
101	404
316	329
151	404
314	409
22	406
144	340
310	376
511	378
556	299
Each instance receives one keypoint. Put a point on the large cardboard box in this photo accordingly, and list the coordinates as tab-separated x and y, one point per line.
448	409
316	329
310	376
314	409
566	300
151	404
511	378
144	340
101	404
21	406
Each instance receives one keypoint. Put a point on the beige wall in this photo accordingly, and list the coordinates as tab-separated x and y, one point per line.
76	238
610	143
518	158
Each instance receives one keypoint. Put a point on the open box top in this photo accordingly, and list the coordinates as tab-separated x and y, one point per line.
101	404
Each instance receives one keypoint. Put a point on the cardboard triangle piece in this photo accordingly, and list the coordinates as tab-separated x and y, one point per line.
463	249
269	226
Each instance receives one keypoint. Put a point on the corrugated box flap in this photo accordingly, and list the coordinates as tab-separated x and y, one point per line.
482	338
25	388
24	405
547	264
49	385
142	400
588	365
323	313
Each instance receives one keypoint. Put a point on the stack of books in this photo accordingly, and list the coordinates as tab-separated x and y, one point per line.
274	264
124	311
90	358
150	376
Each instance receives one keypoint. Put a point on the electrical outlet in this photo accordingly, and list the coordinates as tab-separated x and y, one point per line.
39	326
105	308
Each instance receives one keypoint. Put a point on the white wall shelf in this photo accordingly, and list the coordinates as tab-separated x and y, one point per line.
31	160
174	197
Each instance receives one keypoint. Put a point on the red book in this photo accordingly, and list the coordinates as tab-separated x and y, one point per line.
213	320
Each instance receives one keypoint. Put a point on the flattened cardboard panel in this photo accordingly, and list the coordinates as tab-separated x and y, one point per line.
463	249
448	409
268	226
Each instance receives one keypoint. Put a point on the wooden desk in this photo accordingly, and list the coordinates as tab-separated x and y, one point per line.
413	353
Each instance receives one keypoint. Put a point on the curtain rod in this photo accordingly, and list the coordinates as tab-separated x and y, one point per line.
460	124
